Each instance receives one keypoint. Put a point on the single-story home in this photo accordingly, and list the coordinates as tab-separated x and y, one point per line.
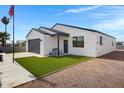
68	39
20	43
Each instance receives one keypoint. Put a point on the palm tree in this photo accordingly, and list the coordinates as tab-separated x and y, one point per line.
5	21
3	37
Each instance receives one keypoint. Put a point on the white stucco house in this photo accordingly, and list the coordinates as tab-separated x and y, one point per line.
69	39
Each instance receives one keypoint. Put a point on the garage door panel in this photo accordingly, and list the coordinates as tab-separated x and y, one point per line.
34	45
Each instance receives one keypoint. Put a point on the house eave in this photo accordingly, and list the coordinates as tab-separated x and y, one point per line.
57	32
39	31
87	29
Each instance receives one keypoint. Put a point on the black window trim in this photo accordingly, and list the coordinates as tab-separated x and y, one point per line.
76	41
101	40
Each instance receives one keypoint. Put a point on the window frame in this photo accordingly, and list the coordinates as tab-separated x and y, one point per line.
101	40
76	44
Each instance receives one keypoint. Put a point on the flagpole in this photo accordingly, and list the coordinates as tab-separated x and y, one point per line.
13	33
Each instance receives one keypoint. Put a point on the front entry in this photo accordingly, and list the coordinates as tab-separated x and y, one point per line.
65	46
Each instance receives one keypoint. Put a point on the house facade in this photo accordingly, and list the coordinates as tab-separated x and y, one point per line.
69	40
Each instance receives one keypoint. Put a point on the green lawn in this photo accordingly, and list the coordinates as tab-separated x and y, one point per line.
46	65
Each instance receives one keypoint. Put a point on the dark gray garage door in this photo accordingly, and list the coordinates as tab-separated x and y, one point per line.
34	45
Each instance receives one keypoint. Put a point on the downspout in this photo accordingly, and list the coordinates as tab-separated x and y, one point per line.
58	44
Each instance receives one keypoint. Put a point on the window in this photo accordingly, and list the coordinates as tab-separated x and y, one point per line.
78	41
74	41
112	43
101	43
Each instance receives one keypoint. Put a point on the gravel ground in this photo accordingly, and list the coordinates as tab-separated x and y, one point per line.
117	55
95	73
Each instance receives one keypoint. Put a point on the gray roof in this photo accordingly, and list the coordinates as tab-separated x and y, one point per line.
87	29
60	33
38	30
56	32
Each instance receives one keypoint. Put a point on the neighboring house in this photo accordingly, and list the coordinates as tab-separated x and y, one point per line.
69	39
20	43
120	45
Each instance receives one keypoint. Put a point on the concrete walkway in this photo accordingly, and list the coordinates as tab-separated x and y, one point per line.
12	73
25	54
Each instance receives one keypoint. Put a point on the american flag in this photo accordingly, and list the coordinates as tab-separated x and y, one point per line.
11	11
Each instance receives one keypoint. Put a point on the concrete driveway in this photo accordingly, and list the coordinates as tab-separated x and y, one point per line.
102	72
12	73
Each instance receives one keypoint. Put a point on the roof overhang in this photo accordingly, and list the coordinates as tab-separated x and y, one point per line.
38	30
56	32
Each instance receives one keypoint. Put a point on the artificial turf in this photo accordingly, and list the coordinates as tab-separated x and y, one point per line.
40	66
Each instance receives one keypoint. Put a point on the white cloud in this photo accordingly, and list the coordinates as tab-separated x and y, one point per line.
118	7
78	10
115	25
101	15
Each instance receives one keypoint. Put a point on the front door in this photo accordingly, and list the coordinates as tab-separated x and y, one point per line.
65	46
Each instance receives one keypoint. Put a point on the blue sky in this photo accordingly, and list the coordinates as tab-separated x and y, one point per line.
107	19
